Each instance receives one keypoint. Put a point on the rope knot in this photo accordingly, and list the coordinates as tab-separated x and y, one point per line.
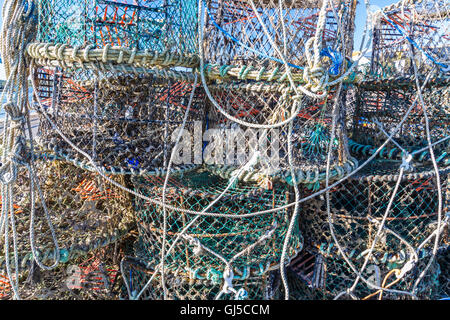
8	173
14	113
406	162
316	78
314	74
20	154
227	281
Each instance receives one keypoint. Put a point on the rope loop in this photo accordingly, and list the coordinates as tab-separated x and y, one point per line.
14	112
8	173
406	162
227	281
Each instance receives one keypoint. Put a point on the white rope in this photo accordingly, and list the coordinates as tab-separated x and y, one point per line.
341	251
436	169
169	166
321	83
16	32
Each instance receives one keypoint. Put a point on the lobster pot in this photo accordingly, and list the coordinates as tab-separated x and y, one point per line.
332	276
357	207
94	276
87	213
233	144
234	36
443	259
159	26
227	236
387	103
181	287
126	124
420	26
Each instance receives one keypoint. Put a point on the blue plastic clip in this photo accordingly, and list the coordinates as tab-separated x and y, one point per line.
336	57
133	162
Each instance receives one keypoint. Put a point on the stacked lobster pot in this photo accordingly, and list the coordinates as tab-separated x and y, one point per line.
205	251
81	214
271	106
113	83
382	233
266	101
210	149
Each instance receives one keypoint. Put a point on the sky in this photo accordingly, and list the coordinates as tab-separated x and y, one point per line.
360	17
359	23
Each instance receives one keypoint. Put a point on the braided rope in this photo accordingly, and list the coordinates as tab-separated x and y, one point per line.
66	55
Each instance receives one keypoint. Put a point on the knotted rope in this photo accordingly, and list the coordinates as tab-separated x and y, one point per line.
17	30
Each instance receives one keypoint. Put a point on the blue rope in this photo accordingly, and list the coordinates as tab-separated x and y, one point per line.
443	66
131	281
335	57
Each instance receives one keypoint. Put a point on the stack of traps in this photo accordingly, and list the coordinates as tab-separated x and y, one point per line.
115	80
389	103
192	271
87	214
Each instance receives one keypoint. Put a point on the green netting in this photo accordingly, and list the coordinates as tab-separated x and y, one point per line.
158	25
357	207
225	236
137	274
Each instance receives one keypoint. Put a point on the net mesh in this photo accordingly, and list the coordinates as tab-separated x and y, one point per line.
311	131
156	25
126	124
420	25
377	110
238	39
113	81
87	215
444	277
357	207
137	274
230	236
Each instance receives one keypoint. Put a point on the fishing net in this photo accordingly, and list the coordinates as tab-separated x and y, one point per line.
382	109
163	26
242	36
137	274
94	276
420	26
86	212
444	278
357	207
336	276
127	124
250	245
310	141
